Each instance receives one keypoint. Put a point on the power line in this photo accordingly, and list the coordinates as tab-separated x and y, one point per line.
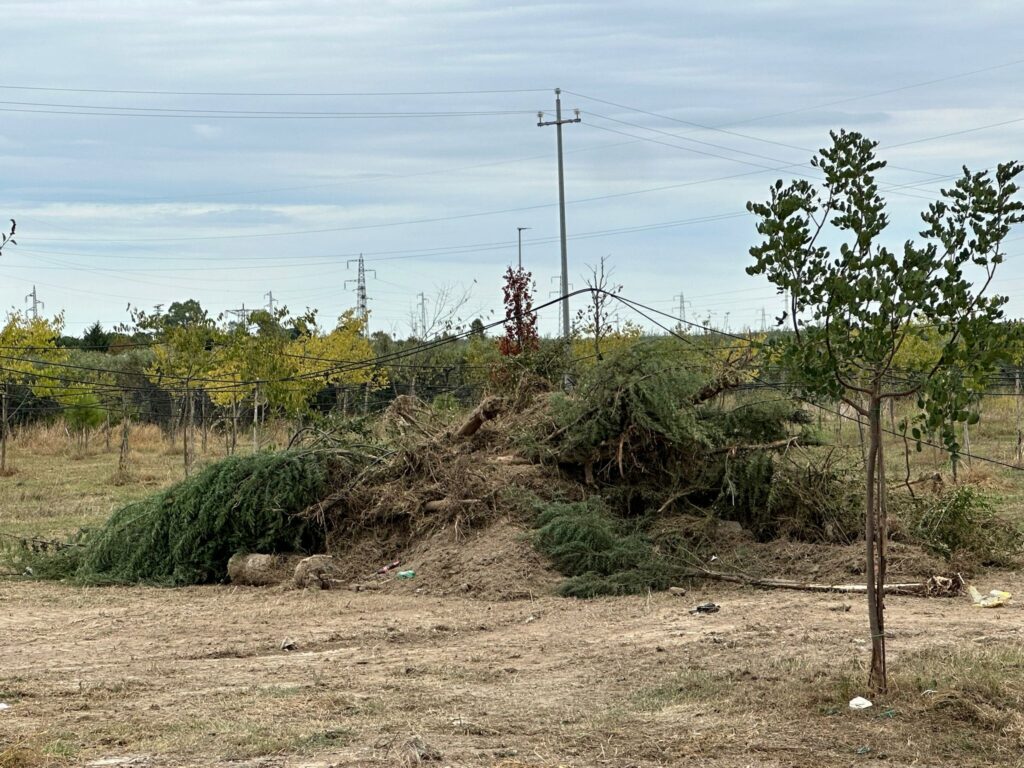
278	94
230	114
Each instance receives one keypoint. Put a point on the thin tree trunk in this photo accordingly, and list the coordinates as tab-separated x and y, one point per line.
202	417
106	434
863	442
255	419
184	435
234	425
122	459
1019	453
967	444
876	679
3	432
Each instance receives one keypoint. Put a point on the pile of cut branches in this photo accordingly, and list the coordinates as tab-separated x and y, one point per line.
187	533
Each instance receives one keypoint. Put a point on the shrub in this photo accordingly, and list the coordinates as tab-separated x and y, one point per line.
185	534
599	552
963	526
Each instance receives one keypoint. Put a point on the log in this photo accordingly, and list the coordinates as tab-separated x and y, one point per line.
487	410
258	570
936	586
317	572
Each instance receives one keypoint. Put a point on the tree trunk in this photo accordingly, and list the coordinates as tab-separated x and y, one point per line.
255	419
875	547
202	418
234	425
185	432
122	459
3	431
967	444
106	434
1019	454
860	434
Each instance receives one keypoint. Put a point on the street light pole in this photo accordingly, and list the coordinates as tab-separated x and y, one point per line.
520	230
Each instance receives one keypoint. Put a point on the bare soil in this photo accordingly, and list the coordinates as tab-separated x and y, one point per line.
244	676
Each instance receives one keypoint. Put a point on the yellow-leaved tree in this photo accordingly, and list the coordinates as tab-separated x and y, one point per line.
28	348
343	358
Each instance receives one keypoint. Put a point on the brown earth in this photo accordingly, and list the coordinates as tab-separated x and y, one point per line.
198	676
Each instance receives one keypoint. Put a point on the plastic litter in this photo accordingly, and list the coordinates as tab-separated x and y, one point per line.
407	574
705	608
390	566
4	705
859	702
993	599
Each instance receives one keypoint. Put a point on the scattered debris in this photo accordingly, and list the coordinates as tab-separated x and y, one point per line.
705	608
288	644
840	608
677	591
390	566
859	702
416	751
4	705
936	586
407	574
993	599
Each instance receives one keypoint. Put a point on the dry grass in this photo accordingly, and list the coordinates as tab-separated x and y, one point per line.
200	679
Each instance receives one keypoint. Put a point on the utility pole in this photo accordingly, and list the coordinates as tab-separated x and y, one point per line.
520	231
271	301
36	303
423	315
764	320
558	122
362	309
681	307
242	315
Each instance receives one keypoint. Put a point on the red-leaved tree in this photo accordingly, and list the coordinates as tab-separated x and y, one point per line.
520	319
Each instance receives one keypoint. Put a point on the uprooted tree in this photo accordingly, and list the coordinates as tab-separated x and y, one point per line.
852	309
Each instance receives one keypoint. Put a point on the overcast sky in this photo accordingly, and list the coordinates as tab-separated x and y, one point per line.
278	140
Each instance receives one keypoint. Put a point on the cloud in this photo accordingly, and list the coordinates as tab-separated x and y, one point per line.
768	80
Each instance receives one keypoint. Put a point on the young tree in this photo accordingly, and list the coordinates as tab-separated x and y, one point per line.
343	357
853	308
596	319
28	346
183	357
520	320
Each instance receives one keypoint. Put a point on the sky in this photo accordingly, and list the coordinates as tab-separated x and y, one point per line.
223	151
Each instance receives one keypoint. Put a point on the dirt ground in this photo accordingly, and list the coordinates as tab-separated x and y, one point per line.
238	676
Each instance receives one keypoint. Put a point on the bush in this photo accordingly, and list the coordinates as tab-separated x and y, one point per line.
963	526
773	496
186	534
597	551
